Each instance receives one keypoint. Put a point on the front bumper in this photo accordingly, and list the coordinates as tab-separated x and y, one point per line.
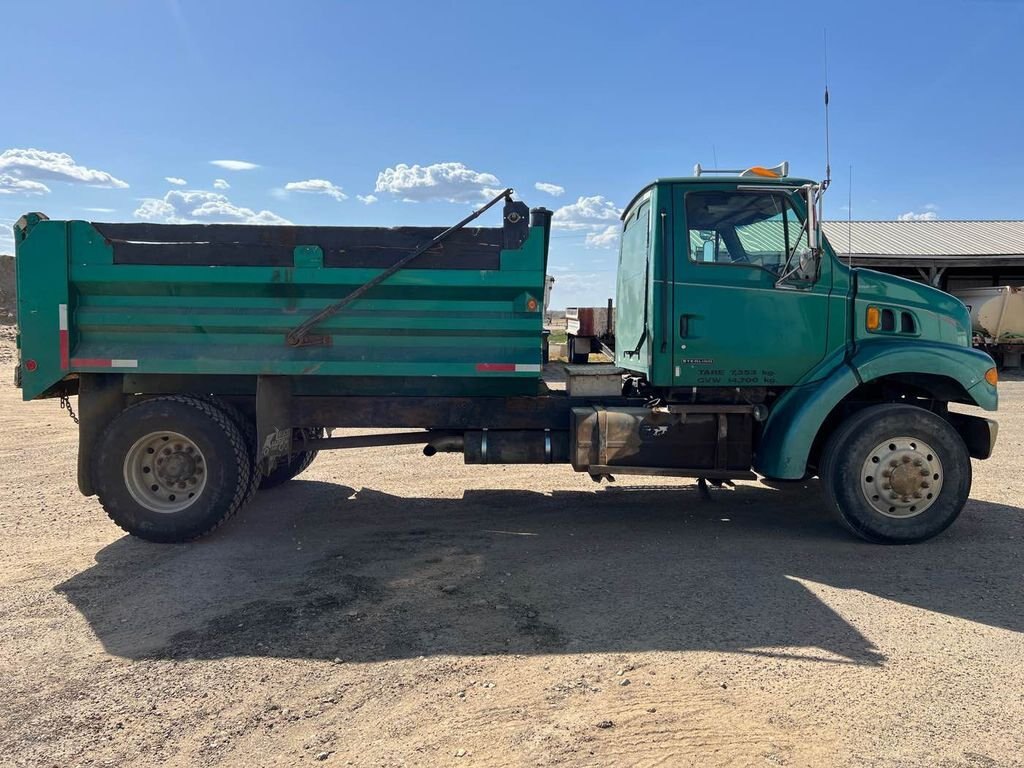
978	433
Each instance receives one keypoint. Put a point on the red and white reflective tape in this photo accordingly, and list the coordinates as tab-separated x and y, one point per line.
103	362
66	361
508	367
62	324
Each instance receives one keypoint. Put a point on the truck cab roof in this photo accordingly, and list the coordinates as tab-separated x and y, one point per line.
781	181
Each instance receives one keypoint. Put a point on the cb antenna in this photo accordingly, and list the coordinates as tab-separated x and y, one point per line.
849	219
828	150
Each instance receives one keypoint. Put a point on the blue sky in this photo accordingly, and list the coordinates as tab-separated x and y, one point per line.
364	107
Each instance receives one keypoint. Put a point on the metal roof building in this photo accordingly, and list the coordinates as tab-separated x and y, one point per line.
948	254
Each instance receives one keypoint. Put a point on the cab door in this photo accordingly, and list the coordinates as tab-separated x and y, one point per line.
734	325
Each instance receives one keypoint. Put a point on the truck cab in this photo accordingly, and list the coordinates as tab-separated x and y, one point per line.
729	293
719	262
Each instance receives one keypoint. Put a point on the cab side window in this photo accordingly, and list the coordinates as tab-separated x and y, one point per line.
753	229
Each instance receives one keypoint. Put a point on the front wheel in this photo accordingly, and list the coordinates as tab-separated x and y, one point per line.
896	474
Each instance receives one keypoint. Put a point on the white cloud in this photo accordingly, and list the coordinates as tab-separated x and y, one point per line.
453	182
198	206
606	238
928	212
40	165
552	189
914	216
14	185
221	184
595	217
6	237
100	210
367	199
317	187
234	165
175	180
162	211
591	213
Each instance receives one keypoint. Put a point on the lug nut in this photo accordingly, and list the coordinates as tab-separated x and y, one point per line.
906	459
886	473
917	462
894	463
925	484
925	473
886	486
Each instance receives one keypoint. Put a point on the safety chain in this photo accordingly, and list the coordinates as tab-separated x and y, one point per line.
65	403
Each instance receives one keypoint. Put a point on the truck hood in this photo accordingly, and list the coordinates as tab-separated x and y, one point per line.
937	315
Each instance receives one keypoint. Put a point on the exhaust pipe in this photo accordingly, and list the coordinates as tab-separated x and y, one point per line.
504	446
444	444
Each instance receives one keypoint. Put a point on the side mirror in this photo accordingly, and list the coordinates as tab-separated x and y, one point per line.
801	270
813	232
807	267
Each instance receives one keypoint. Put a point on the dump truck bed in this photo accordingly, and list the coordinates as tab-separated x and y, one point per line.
463	318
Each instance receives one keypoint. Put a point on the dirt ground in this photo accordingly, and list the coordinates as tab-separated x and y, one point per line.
388	609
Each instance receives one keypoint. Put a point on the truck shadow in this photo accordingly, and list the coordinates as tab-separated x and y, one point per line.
314	570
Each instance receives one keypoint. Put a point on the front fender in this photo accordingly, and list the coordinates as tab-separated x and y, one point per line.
797	416
963	365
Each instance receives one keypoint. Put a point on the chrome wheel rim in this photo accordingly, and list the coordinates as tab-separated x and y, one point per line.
165	472
901	477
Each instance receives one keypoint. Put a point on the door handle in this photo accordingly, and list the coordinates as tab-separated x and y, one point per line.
684	326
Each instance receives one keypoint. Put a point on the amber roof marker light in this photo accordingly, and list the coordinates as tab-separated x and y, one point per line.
779	171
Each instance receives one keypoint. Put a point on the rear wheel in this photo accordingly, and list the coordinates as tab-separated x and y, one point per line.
171	468
248	431
896	474
291	466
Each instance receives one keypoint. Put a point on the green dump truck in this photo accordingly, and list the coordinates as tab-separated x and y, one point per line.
212	360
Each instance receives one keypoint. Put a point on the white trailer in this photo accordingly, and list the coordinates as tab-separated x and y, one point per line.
997	319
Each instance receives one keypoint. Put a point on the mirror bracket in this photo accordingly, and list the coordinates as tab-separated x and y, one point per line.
798	276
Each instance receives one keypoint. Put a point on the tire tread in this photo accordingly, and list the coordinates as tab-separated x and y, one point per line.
236	440
833	453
